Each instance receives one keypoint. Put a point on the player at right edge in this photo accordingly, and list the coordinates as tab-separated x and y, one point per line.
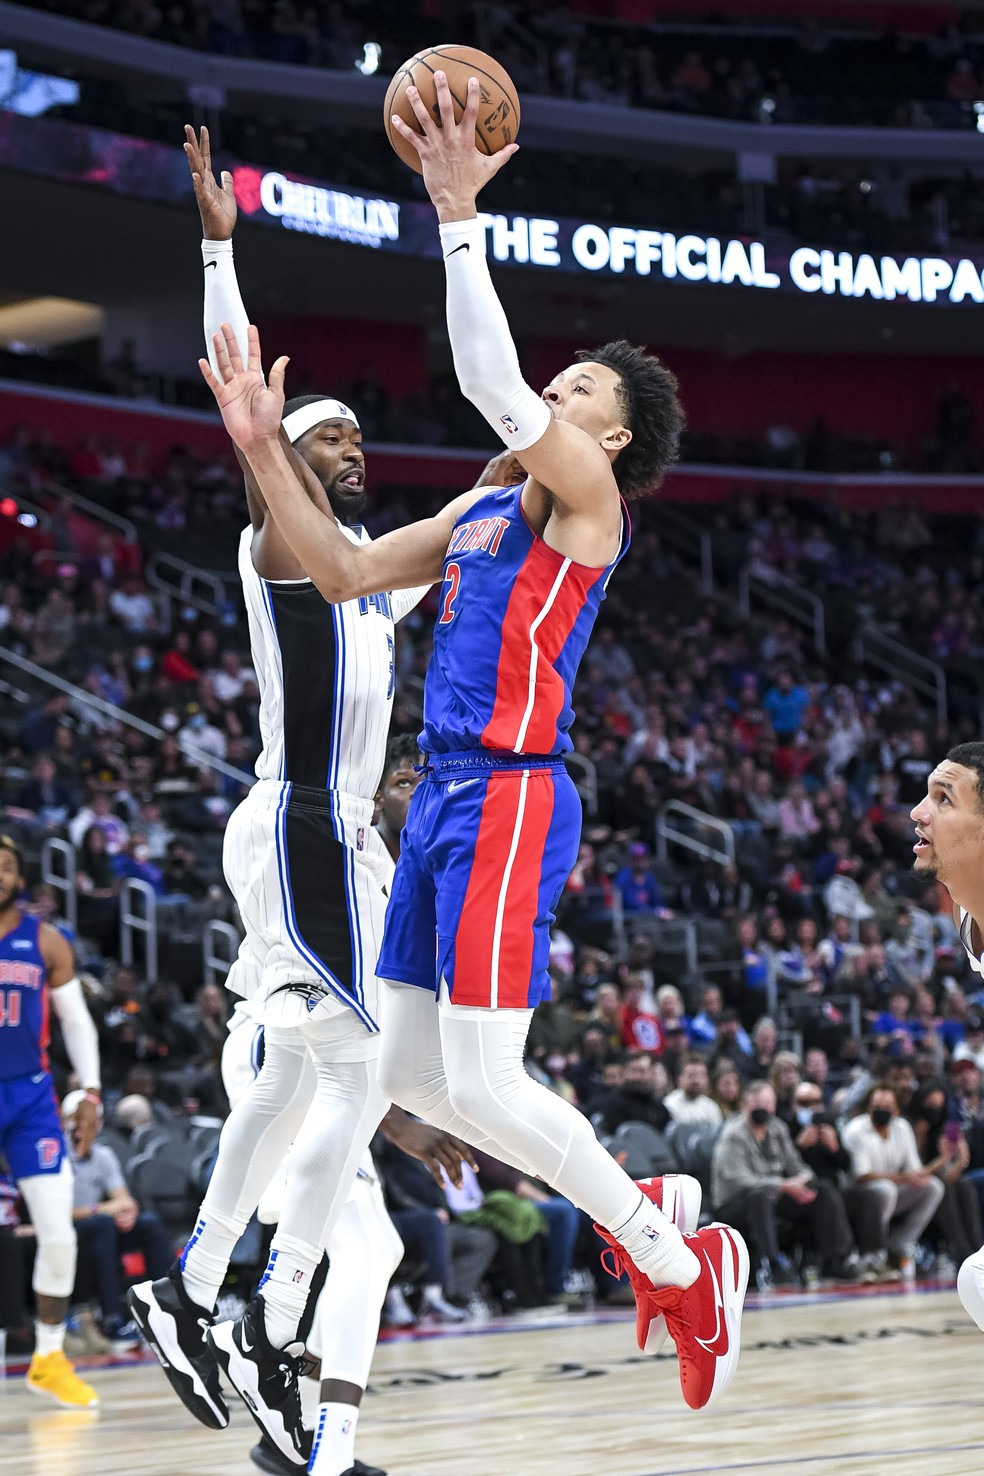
493	830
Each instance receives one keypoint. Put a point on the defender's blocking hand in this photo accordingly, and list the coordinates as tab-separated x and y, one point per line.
251	409
216	200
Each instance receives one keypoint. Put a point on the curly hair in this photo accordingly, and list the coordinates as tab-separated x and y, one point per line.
649	402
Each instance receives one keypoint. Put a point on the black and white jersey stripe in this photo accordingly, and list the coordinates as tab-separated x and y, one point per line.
325	675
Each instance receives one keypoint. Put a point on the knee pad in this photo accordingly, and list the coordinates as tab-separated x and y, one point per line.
54	1267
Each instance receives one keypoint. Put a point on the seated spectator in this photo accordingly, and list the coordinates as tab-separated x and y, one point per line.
97	889
726	1089
640	1029
180	871
884	1155
798	822
855	1254
587	1072
456	1255
760	1184
785	703
133	608
703	1027
99	812
893	1030
734	1045
44	797
690	1102
607	1014
562	1217
640	891
943	1150
553	1029
132	863
636	1100
110	1224
784	1077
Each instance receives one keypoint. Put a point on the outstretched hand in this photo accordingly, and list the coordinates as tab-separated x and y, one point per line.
216	200
454	169
251	409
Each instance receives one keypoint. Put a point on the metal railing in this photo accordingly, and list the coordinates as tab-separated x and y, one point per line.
58	872
138	914
669	833
220	945
873	647
689	539
176	579
786	595
119	714
94	510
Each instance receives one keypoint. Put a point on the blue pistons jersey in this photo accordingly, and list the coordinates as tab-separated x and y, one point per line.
515	617
30	1129
23	1002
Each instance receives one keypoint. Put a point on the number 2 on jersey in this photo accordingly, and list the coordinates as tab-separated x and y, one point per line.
452	578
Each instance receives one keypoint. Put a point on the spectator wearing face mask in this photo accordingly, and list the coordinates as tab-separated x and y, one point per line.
884	1155
760	1184
636	1100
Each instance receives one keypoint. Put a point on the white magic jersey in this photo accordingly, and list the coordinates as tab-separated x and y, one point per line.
966	923
325	674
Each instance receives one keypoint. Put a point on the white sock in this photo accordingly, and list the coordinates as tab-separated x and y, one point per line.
656	1245
285	1287
48	1338
333	1452
205	1259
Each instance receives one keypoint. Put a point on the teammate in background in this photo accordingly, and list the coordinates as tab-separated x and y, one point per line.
949	849
36	967
494	830
306	868
401	775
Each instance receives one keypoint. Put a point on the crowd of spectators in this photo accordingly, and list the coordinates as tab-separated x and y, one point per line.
796	72
829	988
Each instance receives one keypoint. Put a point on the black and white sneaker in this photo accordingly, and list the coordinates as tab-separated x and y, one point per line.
175	1328
265	1378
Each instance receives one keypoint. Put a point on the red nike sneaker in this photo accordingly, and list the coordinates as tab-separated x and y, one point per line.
679	1197
705	1319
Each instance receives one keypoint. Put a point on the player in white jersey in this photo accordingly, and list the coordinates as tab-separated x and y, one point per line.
307	871
950	848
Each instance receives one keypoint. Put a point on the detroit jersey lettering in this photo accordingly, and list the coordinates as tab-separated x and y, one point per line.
23	1003
514	619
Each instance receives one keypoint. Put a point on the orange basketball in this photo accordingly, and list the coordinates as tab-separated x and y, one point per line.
498	113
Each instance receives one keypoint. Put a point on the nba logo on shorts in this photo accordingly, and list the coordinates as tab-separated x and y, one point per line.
509	423
49	1152
360	839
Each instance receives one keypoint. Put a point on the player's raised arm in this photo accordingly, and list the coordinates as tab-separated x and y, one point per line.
566	460
252	412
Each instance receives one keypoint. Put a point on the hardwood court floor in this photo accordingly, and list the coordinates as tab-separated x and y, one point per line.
874	1384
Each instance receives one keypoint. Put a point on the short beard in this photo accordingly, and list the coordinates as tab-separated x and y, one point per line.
930	871
346	506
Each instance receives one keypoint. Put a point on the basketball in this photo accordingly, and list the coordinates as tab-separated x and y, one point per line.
498	114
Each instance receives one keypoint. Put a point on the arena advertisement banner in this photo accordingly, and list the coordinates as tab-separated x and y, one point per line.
283	201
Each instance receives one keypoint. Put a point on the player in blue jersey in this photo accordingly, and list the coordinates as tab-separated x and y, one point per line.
493	832
36	966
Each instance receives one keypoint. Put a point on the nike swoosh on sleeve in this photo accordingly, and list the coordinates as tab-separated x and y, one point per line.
465	246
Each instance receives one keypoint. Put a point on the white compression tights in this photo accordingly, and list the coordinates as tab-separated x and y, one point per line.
462	1069
49	1202
970	1287
364	1250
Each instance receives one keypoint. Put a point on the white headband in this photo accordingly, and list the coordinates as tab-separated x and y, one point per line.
300	421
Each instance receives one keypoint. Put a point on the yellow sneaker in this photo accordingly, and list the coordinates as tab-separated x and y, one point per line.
52	1374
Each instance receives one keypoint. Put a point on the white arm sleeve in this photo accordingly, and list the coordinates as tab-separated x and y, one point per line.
223	302
485	358
405	600
78	1032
